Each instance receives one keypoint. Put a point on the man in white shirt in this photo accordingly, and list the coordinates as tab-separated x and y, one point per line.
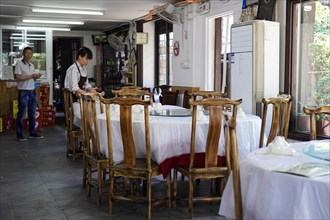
25	76
76	75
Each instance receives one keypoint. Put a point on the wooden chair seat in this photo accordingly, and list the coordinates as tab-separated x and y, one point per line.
142	166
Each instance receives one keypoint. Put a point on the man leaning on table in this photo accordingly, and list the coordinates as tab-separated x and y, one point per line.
76	75
25	75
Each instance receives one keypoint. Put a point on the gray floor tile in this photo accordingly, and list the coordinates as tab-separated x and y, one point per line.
38	182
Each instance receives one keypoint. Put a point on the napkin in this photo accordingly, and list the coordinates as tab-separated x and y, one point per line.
200	114
280	147
115	110
157	107
240	113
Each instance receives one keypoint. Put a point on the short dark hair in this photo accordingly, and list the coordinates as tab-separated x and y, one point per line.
83	52
27	48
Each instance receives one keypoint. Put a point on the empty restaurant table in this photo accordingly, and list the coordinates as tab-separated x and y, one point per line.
170	135
276	186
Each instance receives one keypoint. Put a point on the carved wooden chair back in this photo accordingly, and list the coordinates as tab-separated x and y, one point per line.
212	166
206	94
169	97
313	114
281	111
68	108
135	93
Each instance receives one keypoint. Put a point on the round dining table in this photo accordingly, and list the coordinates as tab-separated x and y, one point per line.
283	187
170	136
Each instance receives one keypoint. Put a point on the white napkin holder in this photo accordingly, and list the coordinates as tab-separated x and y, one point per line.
279	146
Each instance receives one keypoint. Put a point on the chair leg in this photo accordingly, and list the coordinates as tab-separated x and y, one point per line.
84	170
99	184
75	144
190	197
149	199
175	186
168	191
111	192
68	148
89	168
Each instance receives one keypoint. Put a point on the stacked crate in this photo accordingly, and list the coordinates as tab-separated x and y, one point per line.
47	110
48	115
9	106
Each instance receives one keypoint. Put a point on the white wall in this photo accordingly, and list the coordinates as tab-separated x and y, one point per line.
194	49
192	34
87	42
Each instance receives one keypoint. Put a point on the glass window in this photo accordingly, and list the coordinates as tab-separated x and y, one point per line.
13	43
226	23
164	49
310	65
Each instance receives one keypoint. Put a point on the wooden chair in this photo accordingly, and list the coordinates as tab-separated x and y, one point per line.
85	138
186	98
234	166
131	87
135	93
94	159
206	94
132	167
169	97
211	167
280	117
313	113
73	133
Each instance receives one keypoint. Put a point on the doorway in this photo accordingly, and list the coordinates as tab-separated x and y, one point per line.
64	54
218	52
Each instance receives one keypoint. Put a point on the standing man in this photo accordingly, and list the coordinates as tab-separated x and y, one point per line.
76	75
25	76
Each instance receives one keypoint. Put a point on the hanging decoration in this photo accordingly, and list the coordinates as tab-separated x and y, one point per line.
176	48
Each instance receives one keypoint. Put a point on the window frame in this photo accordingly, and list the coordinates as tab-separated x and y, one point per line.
162	27
288	67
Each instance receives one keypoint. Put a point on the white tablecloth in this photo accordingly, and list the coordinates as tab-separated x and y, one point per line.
273	195
170	136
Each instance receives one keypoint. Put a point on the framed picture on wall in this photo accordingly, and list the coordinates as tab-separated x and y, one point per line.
101	38
266	9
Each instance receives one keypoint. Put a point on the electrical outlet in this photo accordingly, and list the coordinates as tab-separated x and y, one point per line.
185	64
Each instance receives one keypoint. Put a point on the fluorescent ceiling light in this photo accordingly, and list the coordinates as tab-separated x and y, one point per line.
51	21
42	28
67	11
29	38
29	35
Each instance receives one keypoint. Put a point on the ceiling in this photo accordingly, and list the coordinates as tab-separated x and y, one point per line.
116	12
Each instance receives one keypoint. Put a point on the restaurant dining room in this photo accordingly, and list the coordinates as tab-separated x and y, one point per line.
165	109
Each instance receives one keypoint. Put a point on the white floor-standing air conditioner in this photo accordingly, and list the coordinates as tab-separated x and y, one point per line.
255	47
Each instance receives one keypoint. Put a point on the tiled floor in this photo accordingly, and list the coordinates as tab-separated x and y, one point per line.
38	182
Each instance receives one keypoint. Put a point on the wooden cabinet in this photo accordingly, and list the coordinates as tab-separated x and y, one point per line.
112	70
